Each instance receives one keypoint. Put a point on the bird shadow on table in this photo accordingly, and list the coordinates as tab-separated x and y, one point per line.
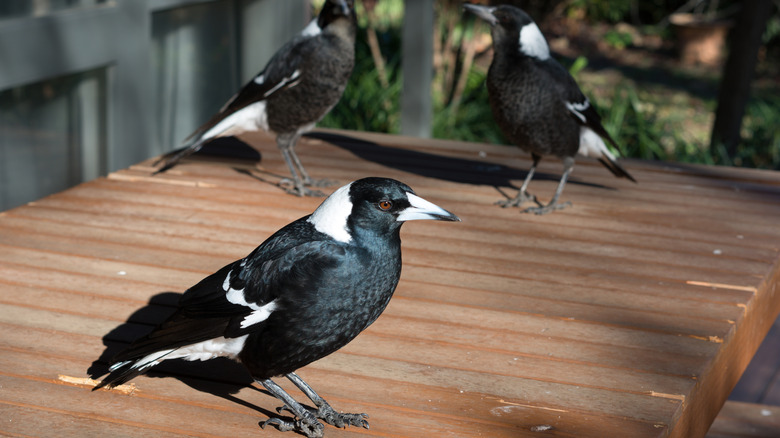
459	170
198	375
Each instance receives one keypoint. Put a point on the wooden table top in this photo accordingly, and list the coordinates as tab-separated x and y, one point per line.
632	313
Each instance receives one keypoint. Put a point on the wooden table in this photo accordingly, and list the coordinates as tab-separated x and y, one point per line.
631	314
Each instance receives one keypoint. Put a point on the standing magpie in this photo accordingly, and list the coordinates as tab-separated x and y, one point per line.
295	90
536	102
302	294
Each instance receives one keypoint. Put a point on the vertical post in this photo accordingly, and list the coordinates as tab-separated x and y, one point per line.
131	125
417	66
738	73
265	26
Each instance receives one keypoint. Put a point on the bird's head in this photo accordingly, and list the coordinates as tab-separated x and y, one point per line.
513	30
335	11
375	206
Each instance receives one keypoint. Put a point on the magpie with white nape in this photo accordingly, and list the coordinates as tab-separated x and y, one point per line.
537	104
302	294
301	83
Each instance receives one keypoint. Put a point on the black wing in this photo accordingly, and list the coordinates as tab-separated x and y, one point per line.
281	72
283	266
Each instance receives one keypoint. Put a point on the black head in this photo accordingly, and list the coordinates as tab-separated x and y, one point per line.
334	10
512	29
375	206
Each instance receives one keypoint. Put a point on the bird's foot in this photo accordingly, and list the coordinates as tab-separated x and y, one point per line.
519	200
320	182
327	413
291	187
547	208
307	425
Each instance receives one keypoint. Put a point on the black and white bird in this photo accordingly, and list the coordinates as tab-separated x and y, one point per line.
302	294
536	102
301	83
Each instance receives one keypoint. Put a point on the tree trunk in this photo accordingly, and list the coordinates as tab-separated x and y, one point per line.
737	75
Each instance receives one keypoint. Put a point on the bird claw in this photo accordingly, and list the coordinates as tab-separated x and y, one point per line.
519	200
341	420
320	182
289	186
308	426
547	208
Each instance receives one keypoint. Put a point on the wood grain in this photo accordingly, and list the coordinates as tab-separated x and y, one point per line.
632	313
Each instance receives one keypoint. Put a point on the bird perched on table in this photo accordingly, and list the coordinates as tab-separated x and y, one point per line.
302	294
295	90
537	103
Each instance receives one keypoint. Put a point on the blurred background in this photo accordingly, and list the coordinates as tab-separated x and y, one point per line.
90	86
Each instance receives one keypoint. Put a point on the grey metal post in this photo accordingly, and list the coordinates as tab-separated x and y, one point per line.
417	65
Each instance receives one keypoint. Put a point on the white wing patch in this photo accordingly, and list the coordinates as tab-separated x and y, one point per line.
250	118
236	296
592	145
313	29
577	108
532	42
331	216
290	80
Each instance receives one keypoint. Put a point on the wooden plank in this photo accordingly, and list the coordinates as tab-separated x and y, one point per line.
630	314
746	420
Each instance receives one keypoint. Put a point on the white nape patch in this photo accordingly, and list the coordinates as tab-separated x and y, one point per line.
331	216
420	209
313	29
236	296
249	118
577	108
532	42
259	79
592	145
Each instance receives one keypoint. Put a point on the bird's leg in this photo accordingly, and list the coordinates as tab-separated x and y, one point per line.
568	166
522	195
304	421
285	142
307	181
324	410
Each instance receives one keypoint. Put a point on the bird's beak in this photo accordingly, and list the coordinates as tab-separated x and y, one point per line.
344	4
483	12
422	209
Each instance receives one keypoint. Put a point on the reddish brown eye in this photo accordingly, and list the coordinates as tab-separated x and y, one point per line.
385	205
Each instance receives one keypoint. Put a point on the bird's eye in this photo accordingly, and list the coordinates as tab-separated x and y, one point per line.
385	205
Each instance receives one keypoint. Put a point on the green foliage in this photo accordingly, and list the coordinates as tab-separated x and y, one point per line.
617	39
366	105
472	120
612	11
666	120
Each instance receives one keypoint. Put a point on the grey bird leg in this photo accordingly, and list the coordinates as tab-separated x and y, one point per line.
300	178
568	166
304	421
522	195
324	410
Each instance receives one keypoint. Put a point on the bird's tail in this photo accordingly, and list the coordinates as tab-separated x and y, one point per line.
592	145
172	158
123	372
615	168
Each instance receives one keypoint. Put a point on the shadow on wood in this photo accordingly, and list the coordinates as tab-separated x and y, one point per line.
221	377
441	167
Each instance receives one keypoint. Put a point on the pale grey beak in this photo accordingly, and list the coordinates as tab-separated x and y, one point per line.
483	12
422	209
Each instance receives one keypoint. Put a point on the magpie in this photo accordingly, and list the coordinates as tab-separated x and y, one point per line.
537	104
295	90
302	294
